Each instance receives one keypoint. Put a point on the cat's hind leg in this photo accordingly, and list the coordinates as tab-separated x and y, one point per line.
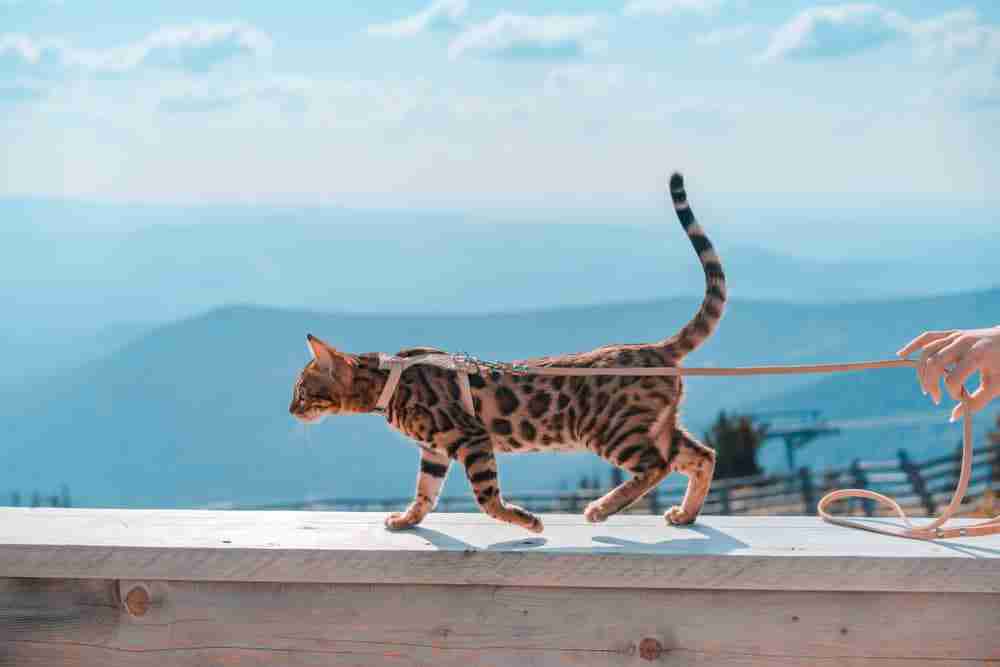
640	457
690	457
481	468
433	469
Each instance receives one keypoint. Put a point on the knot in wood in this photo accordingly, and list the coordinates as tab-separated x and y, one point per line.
650	649
137	601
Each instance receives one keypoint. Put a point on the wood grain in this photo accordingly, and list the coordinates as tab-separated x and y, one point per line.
641	552
81	622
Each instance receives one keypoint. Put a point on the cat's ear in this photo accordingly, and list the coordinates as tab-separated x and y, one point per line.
321	352
336	364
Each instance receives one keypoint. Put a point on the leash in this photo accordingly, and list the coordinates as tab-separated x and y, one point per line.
464	364
935	529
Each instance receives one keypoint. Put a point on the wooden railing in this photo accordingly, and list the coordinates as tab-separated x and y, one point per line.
920	488
124	588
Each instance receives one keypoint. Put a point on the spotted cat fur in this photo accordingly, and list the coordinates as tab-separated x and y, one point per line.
631	422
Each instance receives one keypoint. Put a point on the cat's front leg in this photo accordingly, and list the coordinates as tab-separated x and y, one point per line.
481	469
433	469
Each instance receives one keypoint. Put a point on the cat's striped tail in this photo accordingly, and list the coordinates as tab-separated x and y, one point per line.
701	326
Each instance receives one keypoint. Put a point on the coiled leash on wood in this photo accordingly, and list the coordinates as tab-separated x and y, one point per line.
464	365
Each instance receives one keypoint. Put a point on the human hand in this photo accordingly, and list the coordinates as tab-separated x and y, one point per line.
956	355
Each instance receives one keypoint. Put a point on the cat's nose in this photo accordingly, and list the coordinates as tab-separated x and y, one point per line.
291	408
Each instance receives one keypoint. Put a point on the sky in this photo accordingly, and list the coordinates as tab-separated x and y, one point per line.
515	103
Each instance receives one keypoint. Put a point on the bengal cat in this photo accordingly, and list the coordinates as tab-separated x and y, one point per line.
631	422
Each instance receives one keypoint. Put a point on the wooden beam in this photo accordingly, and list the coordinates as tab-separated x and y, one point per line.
81	622
630	551
114	588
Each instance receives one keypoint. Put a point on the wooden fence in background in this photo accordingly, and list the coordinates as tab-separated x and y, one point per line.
921	488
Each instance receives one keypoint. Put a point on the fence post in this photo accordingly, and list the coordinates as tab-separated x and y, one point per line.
861	482
916	481
808	493
573	501
831	480
726	508
654	501
993	467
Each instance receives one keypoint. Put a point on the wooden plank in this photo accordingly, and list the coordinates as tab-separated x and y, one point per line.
630	551
208	623
431	657
50	622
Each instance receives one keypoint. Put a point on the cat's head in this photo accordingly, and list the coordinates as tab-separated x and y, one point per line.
328	385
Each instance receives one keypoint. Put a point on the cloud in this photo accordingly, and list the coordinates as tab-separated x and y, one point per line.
20	54
288	96
822	32
439	15
723	35
667	7
973	72
594	80
517	37
830	32
201	103
17	94
956	36
195	48
986	101
958	54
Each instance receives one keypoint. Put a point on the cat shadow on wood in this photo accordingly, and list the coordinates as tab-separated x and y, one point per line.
715	542
712	541
445	542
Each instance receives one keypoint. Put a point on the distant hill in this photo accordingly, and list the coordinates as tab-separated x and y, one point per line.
66	285
195	412
31	354
73	269
428	266
862	396
865	397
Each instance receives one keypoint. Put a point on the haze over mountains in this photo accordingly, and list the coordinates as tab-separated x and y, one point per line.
131	372
98	273
195	412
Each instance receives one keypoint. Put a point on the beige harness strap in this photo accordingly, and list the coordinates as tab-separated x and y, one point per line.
397	365
929	531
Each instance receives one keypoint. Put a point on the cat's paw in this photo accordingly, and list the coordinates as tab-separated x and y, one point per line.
400	521
594	513
678	517
536	525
